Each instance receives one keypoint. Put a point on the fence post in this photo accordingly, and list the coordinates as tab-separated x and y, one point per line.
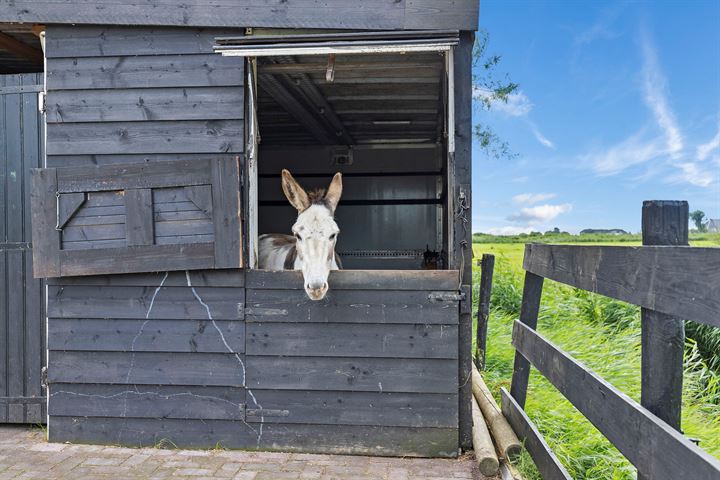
532	292
487	265
663	336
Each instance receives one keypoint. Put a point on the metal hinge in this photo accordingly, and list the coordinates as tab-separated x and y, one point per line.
44	377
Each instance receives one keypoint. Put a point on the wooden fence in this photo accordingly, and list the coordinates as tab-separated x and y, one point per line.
670	283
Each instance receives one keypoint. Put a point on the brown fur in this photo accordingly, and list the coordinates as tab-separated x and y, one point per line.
283	240
290	259
317	196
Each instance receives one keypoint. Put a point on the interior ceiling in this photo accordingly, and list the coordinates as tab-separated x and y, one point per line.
20	50
376	98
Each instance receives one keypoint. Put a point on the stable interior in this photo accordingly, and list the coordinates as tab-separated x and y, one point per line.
382	121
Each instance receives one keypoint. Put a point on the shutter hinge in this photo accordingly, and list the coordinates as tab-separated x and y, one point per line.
41	101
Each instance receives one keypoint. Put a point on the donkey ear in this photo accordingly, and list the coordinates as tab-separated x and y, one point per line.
294	192
332	197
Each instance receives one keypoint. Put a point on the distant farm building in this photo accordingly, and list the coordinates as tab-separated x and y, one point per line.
610	231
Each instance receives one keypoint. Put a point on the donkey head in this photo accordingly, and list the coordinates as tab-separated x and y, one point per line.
315	231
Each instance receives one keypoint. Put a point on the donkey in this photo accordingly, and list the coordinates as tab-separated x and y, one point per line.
311	248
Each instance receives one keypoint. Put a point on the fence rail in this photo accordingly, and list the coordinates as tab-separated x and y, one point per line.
680	281
669	283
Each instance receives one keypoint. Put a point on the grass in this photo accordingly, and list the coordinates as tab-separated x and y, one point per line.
604	334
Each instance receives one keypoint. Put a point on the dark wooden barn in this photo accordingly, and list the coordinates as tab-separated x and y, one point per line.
163	130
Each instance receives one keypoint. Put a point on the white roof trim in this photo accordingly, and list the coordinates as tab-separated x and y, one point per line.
324	50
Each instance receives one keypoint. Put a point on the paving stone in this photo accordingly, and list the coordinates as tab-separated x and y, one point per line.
245	476
193	472
105	460
135	459
262	467
398	473
47	447
29	456
277	476
230	468
344	470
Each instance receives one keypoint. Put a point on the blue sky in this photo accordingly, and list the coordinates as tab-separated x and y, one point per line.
618	103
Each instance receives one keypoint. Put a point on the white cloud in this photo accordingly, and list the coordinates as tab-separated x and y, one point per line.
531	198
509	230
539	213
540	137
601	28
517	104
641	147
704	150
633	150
655	96
695	175
520	179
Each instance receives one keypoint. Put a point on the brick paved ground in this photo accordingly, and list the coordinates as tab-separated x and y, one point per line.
24	454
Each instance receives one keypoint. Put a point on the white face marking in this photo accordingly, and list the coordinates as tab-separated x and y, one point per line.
316	233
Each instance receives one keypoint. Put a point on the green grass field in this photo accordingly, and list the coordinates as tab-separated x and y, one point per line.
605	335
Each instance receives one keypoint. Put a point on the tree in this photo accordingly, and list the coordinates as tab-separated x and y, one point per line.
488	89
697	217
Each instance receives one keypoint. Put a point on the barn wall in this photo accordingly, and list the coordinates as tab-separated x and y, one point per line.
124	95
146	359
120	95
22	323
235	358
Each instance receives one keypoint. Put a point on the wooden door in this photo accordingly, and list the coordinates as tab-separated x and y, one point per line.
371	369
22	299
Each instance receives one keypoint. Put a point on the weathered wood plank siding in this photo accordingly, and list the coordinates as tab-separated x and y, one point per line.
22	318
349	14
171	357
139	346
140	94
119	99
377	355
145	346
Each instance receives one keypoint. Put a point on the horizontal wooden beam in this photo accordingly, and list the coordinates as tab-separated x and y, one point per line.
303	84
679	281
366	14
295	107
139	175
20	49
656	449
360	279
276	68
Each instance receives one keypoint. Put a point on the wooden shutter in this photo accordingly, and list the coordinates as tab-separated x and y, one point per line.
129	218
